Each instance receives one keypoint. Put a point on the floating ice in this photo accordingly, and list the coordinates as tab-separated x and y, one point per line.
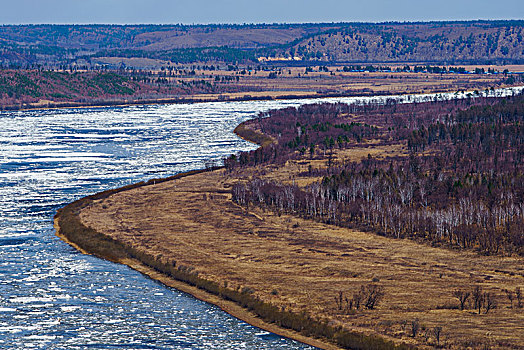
50	158
7	309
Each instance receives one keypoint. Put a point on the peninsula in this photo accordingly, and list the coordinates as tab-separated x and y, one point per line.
362	227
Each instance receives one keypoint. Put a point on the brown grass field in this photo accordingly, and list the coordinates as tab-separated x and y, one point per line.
184	85
294	82
301	266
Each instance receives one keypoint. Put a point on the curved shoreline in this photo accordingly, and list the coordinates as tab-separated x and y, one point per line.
229	307
70	228
121	254
78	228
117	252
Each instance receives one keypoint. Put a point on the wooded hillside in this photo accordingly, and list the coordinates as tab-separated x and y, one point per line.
426	42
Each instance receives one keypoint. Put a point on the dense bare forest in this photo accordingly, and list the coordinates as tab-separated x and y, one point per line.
461	185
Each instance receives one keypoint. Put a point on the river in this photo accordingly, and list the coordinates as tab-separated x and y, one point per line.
52	296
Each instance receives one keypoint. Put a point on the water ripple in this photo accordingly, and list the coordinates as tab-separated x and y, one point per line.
53	297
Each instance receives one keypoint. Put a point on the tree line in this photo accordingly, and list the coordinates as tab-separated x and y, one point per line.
462	184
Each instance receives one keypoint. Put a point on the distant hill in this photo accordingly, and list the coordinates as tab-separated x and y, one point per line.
445	42
425	42
41	88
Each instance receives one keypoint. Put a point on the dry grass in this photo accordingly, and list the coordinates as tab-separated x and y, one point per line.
293	81
302	265
291	172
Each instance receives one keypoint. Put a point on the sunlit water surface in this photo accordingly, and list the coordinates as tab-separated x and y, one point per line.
53	297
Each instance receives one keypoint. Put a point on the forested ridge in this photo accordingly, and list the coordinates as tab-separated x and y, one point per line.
460	42
461	185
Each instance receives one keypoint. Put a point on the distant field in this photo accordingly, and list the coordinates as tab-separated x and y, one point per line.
169	83
156	63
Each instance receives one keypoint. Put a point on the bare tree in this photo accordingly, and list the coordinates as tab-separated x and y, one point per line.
427	334
509	294
437	331
477	298
462	296
372	295
518	294
415	325
338	300
489	301
357	299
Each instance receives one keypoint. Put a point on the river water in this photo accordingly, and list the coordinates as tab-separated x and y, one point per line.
53	297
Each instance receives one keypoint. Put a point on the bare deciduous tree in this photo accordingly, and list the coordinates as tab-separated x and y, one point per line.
415	325
478	298
518	294
489	301
437	331
462	296
357	300
509	294
372	295
338	300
